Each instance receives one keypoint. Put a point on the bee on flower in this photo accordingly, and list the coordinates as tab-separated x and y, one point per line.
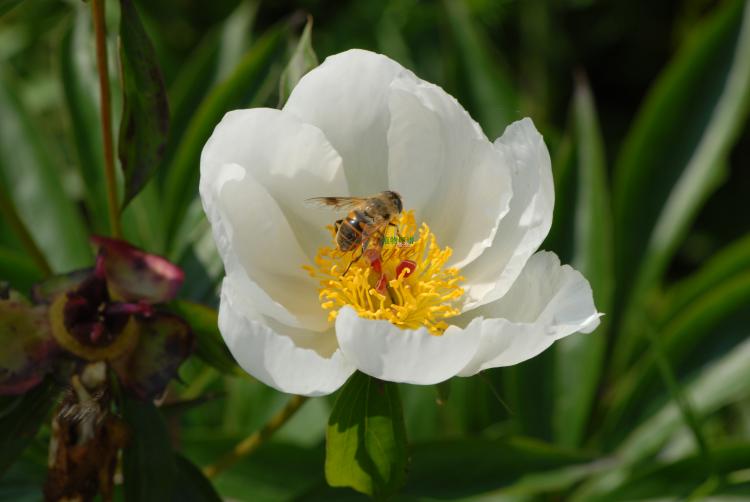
449	285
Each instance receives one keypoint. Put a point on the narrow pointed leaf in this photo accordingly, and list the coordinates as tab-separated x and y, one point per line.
21	417
724	381
192	485
47	210
674	156
237	91
366	438
303	60
451	469
687	340
145	118
149	465
724	266
494	100
216	55
678	479
81	88
578	359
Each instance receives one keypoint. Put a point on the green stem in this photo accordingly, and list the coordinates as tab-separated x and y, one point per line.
8	210
97	10
255	440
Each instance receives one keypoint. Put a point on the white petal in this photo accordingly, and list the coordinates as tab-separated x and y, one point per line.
523	229
445	167
346	97
259	249
292	160
381	350
547	302
277	357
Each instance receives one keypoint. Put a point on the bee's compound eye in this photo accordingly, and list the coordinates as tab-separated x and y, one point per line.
397	201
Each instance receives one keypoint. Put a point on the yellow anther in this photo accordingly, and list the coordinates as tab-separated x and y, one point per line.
424	298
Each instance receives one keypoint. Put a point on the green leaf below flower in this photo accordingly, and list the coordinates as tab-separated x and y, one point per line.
366	438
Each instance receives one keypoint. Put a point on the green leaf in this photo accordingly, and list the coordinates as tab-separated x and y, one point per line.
24	480
494	99
143	220
237	91
21	417
678	479
688	334
145	117
725	265
18	269
149	466
276	471
694	311
81	88
578	359
366	438
47	210
209	345
218	52
673	157
464	467
192	485
725	381
303	60
7	5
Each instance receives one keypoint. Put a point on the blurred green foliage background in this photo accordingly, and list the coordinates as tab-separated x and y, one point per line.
643	105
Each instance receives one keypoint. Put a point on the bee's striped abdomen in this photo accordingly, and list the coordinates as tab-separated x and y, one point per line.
350	231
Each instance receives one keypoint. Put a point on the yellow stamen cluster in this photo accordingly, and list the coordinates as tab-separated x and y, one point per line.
425	298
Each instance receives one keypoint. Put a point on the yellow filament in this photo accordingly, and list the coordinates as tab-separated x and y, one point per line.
425	298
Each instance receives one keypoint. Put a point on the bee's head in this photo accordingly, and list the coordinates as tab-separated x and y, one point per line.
396	199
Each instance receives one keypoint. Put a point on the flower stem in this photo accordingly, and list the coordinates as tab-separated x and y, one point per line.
8	209
97	10
255	440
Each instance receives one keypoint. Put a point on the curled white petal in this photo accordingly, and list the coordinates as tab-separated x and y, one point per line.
547	302
381	350
260	251
523	229
346	97
445	167
292	160
289	360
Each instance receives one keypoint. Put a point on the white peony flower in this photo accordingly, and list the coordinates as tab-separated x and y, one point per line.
477	295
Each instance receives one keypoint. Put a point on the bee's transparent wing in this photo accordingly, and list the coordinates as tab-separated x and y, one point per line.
337	202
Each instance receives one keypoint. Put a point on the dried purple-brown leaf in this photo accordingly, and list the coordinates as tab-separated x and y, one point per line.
28	349
134	275
165	341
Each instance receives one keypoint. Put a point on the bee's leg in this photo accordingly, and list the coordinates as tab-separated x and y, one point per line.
351	262
398	234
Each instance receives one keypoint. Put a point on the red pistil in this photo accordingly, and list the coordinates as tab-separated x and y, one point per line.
382	284
407	265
